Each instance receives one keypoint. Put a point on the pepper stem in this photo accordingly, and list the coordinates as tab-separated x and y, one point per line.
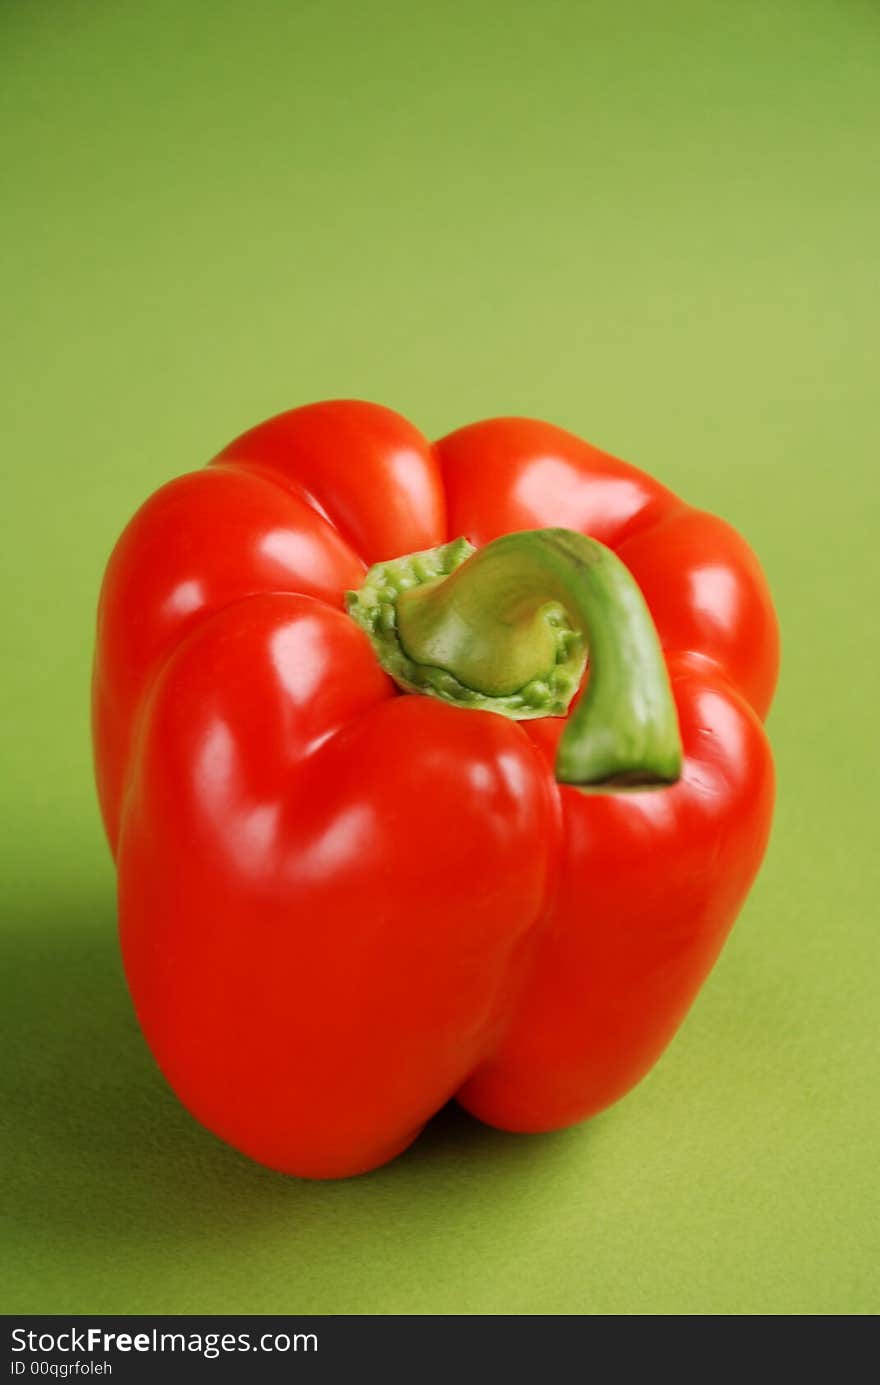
507	628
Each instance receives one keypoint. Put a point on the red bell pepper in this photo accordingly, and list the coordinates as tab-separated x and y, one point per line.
348	894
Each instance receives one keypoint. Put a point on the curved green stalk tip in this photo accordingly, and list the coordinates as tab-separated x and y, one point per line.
506	629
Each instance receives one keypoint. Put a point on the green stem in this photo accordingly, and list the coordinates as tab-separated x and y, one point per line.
506	629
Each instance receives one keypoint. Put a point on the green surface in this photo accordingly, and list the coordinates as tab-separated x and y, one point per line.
655	224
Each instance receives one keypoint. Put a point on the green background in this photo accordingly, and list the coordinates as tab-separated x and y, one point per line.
653	223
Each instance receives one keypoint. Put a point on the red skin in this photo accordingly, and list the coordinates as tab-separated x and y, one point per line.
341	905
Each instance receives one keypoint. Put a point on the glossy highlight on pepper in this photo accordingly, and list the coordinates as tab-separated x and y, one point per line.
345	899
